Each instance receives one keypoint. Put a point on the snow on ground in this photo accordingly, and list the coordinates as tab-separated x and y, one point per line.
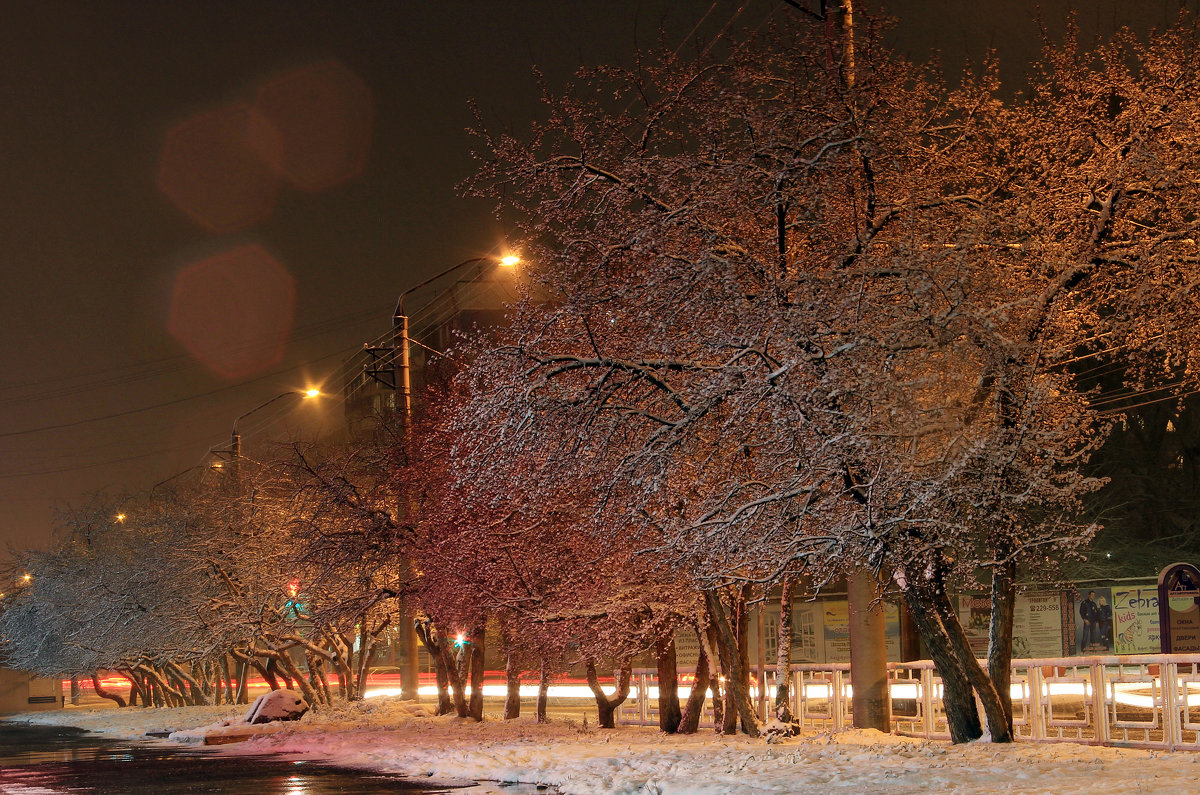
387	734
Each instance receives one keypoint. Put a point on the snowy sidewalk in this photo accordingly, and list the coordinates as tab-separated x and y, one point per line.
391	735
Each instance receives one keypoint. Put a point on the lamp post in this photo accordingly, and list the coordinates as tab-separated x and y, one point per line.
401	364
235	482
235	439
402	379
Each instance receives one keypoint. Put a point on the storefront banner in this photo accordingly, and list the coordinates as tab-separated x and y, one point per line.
1135	614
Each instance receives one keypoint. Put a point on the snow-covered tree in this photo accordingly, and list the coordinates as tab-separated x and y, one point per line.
800	322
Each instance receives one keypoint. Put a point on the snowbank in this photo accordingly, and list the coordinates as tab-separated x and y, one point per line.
391	735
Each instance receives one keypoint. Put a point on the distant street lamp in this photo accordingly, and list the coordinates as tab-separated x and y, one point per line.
235	439
235	455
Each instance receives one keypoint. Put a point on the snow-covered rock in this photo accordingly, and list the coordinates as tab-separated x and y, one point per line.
276	705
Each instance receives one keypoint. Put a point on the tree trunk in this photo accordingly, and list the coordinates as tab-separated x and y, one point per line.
728	653
288	668
984	688
197	692
316	675
737	677
456	670
957	697
868	654
442	672
162	689
187	697
478	640
512	687
342	654
268	673
689	721
669	713
606	706
100	691
433	642
229	695
74	689
783	660
207	670
155	693
135	689
543	692
1000	634
218	694
242	696
717	666
366	651
741	623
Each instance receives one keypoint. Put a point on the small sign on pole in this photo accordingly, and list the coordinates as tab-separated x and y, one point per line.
1179	608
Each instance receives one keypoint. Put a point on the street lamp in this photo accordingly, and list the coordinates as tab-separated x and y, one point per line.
235	439
402	377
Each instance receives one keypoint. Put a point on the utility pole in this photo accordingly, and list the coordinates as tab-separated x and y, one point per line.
410	671
402	383
868	643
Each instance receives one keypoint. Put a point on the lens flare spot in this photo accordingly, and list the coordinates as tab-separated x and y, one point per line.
213	168
233	311
323	115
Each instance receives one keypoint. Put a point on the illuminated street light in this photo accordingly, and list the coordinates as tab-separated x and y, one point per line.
402	376
235	447
120	518
235	440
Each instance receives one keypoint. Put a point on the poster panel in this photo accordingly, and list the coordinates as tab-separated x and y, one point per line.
687	648
1093	613
1037	625
836	630
975	614
891	630
1135	619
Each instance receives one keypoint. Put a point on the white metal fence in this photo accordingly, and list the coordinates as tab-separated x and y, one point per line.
1144	701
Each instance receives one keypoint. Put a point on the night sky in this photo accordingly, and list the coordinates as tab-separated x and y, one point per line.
205	204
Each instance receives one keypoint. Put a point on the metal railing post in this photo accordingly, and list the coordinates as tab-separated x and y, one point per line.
836	708
1172	730
927	714
794	694
1099	701
1037	722
643	715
